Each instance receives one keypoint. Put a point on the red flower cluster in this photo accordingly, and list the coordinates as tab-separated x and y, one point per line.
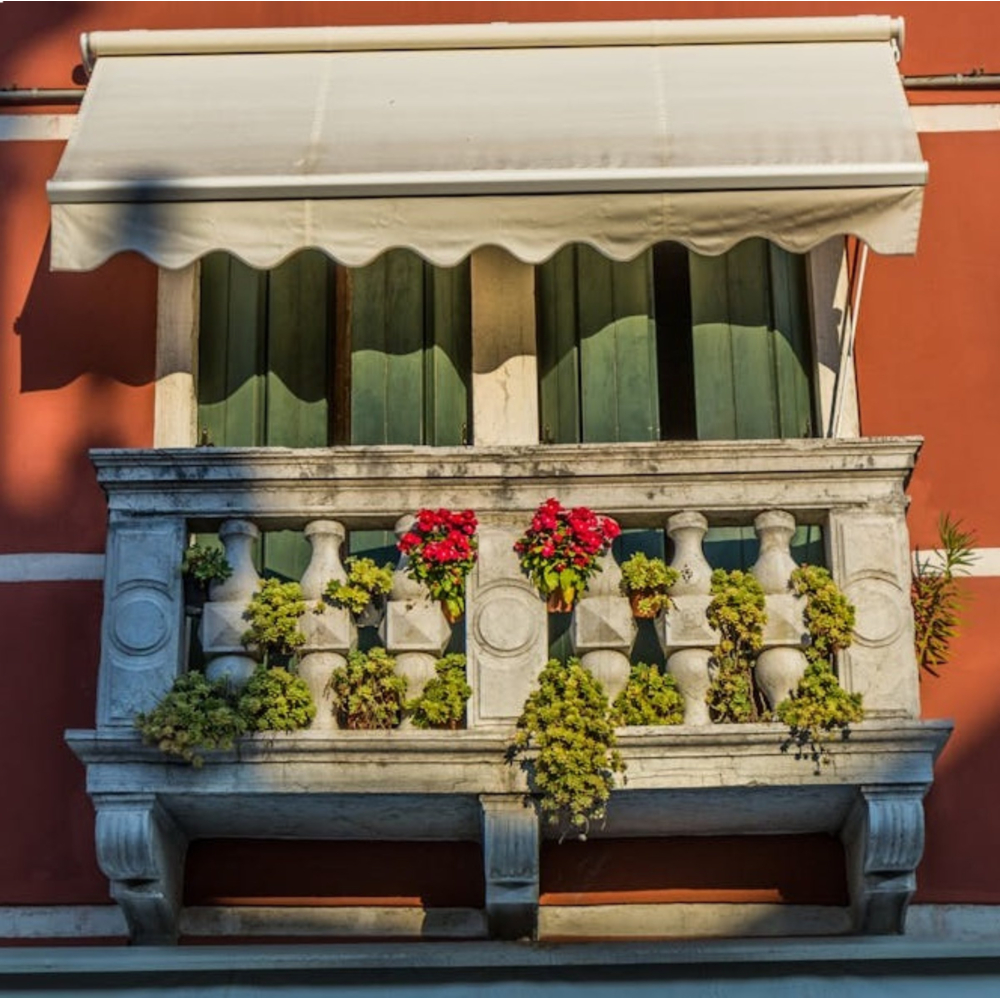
559	551
442	548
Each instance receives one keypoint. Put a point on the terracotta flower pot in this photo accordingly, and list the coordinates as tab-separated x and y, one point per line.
556	604
635	599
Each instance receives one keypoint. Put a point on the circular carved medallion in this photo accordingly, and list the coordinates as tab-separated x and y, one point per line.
140	623
878	618
507	621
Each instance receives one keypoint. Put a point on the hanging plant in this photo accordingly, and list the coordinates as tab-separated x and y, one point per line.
442	548
442	702
367	584
276	700
195	715
566	721
274	612
737	612
559	551
820	707
936	595
646	582
367	692
650	698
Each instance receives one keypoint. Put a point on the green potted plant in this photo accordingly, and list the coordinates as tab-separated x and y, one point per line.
441	548
566	723
650	698
273	613
559	551
276	700
442	702
367	693
365	590
646	582
202	566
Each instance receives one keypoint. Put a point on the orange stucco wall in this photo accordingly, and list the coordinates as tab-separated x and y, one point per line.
76	371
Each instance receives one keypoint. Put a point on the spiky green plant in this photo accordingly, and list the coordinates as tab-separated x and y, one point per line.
441	704
650	698
567	722
936	594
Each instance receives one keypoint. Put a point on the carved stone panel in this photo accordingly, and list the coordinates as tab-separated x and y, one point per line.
870	551
507	631
510	854
142	631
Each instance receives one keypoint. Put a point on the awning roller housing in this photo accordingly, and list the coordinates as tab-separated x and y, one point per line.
529	137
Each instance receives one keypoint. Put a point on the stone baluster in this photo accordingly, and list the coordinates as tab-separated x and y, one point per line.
683	629
330	632
414	628
222	621
781	663
603	629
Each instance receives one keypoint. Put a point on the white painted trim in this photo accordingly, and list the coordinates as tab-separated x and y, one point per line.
62	922
985	561
40	567
36	128
175	407
956	117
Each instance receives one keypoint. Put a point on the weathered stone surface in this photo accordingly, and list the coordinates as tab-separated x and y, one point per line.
415	626
511	858
684	624
784	625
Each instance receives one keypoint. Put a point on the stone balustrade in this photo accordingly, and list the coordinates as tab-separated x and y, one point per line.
696	778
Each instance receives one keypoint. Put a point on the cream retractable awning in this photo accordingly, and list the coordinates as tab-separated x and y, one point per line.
529	137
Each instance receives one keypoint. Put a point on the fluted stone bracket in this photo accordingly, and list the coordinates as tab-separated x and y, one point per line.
884	840
510	855
142	634
141	850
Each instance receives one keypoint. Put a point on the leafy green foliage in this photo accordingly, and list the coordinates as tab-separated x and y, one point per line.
650	698
196	714
206	563
366	581
441	704
274	612
567	721
737	612
648	581
820	707
936	595
276	700
367	691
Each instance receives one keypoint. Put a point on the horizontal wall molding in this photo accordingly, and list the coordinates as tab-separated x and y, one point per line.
27	922
46	567
985	562
956	117
35	128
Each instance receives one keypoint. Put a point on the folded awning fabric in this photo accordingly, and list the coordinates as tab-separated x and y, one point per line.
528	137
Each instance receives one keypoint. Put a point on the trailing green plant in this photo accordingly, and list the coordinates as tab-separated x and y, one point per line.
567	722
820	707
441	704
647	582
367	692
195	715
650	698
276	700
366	582
206	563
274	612
737	612
936	594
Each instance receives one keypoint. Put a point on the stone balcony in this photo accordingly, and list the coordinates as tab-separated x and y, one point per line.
697	778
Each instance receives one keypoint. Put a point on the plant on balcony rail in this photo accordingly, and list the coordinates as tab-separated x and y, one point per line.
820	707
367	584
441	704
274	612
195	715
560	549
367	693
442	548
567	722
650	698
646	582
276	700
737	612
936	596
202	565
